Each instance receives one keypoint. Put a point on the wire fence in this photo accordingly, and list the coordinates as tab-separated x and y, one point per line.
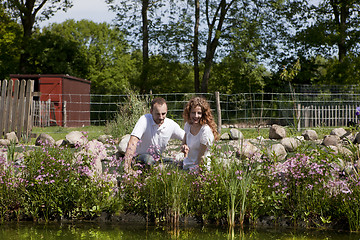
244	109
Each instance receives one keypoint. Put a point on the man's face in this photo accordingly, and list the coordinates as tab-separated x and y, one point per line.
158	113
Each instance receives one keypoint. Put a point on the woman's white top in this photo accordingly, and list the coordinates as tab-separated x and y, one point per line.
204	136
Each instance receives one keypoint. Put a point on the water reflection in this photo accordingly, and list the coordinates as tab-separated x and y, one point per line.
104	231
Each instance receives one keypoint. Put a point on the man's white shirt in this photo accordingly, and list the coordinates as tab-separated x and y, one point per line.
154	137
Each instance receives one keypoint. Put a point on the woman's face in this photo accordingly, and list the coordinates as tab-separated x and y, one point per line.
195	115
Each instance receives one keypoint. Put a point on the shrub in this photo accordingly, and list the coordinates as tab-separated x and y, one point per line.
129	112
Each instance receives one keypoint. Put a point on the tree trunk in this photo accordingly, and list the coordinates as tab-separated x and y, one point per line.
213	42
27	21
341	13
196	47
145	46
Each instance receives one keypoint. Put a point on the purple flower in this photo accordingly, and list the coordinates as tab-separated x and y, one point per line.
357	111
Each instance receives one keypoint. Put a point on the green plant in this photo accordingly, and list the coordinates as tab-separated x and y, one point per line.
61	182
129	112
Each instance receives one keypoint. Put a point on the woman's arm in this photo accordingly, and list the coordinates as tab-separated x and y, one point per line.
184	147
202	151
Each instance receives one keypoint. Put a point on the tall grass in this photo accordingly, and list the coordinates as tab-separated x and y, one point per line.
129	112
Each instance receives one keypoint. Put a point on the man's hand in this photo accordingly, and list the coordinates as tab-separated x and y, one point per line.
128	169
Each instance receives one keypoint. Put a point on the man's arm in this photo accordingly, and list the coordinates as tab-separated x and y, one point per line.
130	153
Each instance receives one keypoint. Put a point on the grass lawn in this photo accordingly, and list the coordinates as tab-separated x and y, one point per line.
93	132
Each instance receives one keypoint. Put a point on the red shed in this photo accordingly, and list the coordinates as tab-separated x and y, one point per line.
69	96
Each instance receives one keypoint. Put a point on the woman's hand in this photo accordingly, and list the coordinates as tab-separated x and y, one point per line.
185	149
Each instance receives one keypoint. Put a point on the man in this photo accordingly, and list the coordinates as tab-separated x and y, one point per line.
151	134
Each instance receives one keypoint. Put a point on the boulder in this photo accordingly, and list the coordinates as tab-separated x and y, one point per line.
277	151
225	136
357	138
4	142
277	132
61	143
290	144
340	132
105	138
97	151
310	135
11	136
76	138
331	140
44	139
235	134
123	144
247	150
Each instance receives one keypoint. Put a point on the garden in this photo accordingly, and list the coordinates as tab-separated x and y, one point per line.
313	187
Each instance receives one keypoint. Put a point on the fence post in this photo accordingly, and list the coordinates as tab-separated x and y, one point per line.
64	115
218	110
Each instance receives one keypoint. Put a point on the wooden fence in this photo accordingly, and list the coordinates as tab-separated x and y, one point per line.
331	116
15	107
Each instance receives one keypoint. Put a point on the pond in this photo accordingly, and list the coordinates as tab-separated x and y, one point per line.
102	231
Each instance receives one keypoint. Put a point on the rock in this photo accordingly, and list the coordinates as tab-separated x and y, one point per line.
61	143
11	136
3	158
97	151
225	136
340	132
277	151
235	134
247	150
44	139
357	138
310	135
4	142
105	138
76	138
123	144
290	144
277	132
331	140
345	151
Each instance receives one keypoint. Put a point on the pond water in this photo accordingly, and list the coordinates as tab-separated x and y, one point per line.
102	231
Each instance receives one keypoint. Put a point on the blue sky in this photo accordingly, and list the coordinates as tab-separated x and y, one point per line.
95	10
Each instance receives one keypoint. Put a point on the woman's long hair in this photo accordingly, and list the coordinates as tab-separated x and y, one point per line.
206	117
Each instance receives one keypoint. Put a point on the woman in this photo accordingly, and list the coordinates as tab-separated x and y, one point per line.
200	132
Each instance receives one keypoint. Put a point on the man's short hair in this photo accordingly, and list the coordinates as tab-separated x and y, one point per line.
157	100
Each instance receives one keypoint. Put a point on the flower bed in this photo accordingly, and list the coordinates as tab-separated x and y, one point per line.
311	187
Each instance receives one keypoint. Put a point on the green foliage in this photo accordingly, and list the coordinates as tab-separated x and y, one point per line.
160	194
168	76
111	68
130	111
63	183
10	36
51	53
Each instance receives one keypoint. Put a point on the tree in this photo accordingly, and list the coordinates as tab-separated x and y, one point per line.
10	33
52	53
29	12
129	19
111	68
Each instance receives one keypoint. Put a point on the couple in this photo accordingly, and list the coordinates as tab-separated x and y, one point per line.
152	132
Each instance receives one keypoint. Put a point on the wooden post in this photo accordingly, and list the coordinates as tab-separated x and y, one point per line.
64	115
15	105
218	110
7	110
299	117
2	107
29	97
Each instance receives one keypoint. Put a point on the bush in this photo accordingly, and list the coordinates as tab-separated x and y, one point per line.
129	112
